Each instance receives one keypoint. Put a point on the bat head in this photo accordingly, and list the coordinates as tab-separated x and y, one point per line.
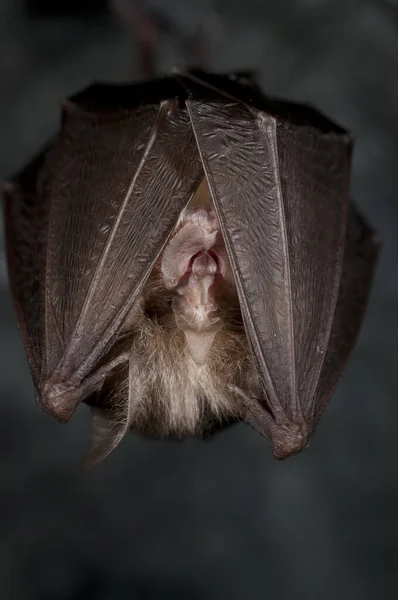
196	268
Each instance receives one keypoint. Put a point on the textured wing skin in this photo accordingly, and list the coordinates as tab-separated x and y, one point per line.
280	187
26	227
361	252
110	217
123	167
314	189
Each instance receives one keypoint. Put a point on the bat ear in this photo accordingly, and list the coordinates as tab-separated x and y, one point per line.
106	435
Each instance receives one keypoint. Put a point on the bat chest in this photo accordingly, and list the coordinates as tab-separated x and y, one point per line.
177	397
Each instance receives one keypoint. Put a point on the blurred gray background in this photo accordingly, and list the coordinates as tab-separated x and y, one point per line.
217	519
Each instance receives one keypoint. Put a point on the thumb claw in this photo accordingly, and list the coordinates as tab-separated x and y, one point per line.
106	435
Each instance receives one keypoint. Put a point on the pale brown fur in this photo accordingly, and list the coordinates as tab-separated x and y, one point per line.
176	397
179	398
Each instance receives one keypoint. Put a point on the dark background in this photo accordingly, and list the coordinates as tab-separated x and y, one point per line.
217	519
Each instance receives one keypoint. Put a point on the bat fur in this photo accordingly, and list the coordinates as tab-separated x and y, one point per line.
176	396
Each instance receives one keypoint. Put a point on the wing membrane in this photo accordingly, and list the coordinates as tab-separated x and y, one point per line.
360	257
116	181
280	188
26	226
110	217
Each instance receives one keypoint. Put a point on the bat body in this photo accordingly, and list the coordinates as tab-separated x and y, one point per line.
184	255
190	336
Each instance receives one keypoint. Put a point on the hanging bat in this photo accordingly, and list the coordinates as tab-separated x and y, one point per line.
184	255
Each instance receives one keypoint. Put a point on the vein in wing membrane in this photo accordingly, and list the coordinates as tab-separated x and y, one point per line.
360	257
117	188
281	192
241	172
26	223
314	175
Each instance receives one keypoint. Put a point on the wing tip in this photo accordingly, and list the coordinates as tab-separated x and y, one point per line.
59	400
289	438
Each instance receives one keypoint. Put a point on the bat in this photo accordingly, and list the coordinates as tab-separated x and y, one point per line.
184	255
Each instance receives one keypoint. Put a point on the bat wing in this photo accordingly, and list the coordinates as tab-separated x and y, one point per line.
111	189
26	226
362	248
279	178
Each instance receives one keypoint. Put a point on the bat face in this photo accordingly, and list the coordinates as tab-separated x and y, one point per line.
184	255
195	267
